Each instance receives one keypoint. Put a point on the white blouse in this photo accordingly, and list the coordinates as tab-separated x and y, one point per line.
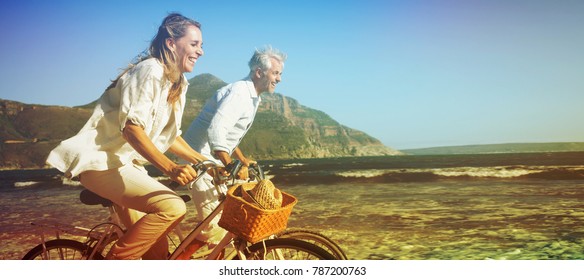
140	96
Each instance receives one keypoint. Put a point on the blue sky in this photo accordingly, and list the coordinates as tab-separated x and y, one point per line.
411	73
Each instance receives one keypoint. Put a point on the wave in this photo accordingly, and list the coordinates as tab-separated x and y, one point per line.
432	174
492	172
336	171
292	165
25	184
69	182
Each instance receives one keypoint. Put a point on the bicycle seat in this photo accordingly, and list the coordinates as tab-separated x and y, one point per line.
186	198
88	197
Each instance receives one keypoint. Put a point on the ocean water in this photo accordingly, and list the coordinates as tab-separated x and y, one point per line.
459	207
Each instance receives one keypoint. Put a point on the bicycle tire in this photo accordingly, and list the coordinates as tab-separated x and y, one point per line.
318	239
285	249
60	249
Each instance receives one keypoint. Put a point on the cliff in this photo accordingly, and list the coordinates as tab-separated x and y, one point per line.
283	129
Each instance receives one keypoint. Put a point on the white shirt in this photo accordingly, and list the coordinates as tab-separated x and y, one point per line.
140	96
224	120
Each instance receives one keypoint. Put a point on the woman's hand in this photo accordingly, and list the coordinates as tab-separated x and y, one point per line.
183	174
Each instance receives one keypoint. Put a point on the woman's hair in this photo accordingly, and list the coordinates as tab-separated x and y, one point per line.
262	59
173	26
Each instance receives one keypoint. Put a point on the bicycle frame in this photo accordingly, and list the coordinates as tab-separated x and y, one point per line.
198	229
227	239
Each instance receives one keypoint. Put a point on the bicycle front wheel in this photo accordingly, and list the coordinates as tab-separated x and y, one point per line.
286	249
318	239
60	249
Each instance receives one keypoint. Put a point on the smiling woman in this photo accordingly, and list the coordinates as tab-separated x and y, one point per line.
179	44
145	103
187	48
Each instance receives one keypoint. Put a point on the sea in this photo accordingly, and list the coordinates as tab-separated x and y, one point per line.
524	206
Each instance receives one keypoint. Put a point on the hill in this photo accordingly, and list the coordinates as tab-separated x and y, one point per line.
283	129
500	148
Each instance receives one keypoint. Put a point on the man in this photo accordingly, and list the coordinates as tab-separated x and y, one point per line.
219	128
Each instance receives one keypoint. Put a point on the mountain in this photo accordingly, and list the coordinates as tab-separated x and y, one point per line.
500	148
283	129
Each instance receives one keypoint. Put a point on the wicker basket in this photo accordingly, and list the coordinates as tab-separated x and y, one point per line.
248	220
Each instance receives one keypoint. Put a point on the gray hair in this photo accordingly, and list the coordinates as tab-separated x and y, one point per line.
262	59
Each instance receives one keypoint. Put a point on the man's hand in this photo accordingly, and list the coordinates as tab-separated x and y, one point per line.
219	175
243	173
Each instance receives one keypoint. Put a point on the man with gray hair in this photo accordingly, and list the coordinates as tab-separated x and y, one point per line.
220	126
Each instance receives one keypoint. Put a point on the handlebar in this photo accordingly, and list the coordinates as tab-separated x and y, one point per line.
255	171
231	170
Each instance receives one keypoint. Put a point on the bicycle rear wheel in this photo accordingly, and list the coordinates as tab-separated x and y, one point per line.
318	239
285	249
60	249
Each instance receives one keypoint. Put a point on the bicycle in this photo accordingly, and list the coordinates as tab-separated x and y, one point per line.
102	236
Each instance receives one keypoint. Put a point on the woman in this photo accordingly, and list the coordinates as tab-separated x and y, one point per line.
136	121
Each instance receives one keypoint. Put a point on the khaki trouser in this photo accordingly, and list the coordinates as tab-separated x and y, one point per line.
148	209
204	195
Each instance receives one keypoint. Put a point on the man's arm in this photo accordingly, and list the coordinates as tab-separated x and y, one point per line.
223	156
238	154
243	173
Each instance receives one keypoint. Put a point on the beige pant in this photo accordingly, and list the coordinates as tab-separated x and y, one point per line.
148	209
204	195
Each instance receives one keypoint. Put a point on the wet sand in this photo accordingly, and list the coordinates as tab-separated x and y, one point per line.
444	220
449	220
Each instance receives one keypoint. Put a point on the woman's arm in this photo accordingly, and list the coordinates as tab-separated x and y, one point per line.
181	148
138	139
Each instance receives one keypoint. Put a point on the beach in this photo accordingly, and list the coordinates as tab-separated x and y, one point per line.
416	208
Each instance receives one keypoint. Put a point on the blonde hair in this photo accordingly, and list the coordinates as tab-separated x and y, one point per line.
173	26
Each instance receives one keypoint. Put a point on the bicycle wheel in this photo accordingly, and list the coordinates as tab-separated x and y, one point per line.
102	249
60	249
285	249
317	239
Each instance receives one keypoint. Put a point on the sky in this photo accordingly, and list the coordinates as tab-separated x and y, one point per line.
411	73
